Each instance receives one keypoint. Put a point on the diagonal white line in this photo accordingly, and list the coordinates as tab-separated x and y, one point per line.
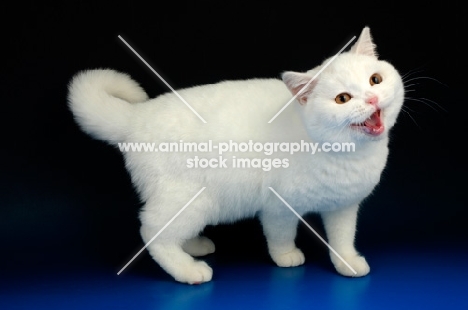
308	226
308	83
164	81
160	231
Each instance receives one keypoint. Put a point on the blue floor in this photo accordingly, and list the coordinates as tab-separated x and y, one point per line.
402	277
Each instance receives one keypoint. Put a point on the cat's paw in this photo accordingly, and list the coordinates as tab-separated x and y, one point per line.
357	262
199	246
292	258
196	272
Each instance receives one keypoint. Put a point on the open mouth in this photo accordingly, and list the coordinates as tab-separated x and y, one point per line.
372	125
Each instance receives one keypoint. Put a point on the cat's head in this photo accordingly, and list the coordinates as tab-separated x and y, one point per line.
356	98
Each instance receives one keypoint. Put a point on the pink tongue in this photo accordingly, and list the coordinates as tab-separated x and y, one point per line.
374	124
374	121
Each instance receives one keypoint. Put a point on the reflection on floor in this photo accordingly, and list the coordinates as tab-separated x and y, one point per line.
401	278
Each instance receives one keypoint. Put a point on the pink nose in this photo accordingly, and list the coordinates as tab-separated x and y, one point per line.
372	100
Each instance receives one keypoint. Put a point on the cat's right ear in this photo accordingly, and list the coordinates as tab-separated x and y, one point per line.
299	84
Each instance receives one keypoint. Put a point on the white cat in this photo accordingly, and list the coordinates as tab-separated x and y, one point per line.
356	99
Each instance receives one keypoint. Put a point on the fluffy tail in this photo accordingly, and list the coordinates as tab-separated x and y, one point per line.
101	103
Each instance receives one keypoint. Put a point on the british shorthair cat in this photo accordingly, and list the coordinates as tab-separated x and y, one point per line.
354	101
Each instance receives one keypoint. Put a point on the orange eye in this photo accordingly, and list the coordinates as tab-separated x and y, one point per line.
343	98
375	79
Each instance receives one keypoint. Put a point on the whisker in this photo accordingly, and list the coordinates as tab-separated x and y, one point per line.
432	101
346	124
415	70
343	124
428	101
412	118
424	78
410	85
338	125
407	109
411	72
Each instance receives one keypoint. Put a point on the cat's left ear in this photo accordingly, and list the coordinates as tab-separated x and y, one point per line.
299	84
364	44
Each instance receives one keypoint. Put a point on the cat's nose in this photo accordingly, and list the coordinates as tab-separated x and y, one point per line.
372	99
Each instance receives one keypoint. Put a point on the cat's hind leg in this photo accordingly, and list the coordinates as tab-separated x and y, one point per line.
199	246
167	249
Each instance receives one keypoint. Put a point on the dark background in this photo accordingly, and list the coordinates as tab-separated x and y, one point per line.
66	199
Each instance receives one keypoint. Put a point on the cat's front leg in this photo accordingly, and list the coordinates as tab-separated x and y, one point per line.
280	231
340	227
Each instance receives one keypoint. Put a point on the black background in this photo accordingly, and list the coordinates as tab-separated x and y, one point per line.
66	197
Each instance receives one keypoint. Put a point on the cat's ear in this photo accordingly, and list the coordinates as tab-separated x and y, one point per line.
364	44
299	84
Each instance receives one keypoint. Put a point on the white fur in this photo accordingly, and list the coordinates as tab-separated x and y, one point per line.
104	104
108	120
